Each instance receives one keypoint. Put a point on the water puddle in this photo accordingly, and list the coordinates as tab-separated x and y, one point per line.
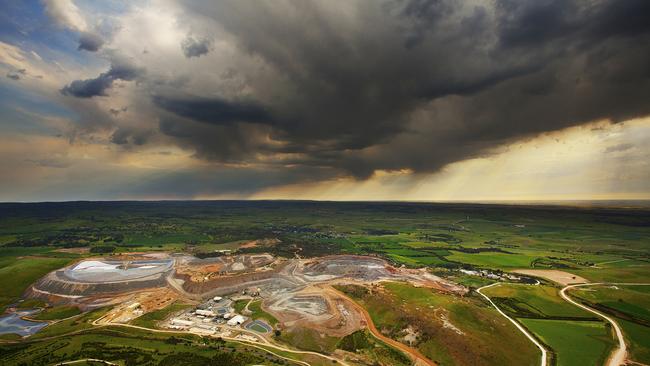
12	323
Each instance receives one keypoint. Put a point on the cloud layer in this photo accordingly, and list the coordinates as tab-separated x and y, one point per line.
299	91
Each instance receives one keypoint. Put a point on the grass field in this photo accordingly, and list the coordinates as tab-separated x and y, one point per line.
453	330
71	325
309	339
495	260
638	338
530	301
239	305
363	343
573	342
435	235
20	267
599	244
133	347
57	312
150	320
633	301
258	313
630	305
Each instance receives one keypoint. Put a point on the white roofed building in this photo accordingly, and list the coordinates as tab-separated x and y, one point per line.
236	320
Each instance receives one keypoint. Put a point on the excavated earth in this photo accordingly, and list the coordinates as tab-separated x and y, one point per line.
296	291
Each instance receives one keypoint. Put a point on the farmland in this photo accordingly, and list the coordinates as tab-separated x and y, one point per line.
135	347
413	267
523	301
629	305
573	342
460	332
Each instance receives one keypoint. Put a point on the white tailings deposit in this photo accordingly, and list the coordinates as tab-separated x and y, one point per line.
100	271
98	276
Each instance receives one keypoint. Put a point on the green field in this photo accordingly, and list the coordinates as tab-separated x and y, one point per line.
624	301
239	305
599	244
495	260
630	306
75	324
574	342
309	340
131	347
531	301
362	342
638	339
454	330
20	267
436	235
58	312
257	313
150	320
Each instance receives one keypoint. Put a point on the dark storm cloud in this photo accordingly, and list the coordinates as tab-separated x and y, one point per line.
223	180
13	76
193	47
126	135
120	70
356	87
90	42
116	112
214	110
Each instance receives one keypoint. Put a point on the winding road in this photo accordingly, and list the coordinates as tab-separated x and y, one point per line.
87	360
521	328
618	356
417	357
258	345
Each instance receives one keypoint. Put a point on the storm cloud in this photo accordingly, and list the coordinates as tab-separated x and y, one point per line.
324	90
120	70
193	47
419	84
90	42
214	110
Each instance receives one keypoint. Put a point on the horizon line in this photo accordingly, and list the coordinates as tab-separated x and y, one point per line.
601	203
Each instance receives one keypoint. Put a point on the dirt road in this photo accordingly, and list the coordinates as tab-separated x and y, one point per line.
259	345
521	329
86	360
417	357
618	356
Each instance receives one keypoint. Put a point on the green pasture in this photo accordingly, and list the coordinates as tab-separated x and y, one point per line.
258	313
133	347
57	312
638	339
631	301
18	270
533	301
454	330
573	342
151	319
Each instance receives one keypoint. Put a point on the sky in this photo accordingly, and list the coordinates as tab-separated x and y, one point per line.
432	100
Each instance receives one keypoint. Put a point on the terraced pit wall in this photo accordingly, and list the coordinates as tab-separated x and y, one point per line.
228	284
56	284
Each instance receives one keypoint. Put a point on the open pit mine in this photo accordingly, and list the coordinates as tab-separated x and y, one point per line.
296	292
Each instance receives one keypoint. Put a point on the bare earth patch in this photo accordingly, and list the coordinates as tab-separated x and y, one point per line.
561	277
82	250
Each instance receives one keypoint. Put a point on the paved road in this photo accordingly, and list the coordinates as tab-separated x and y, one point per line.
618	356
86	360
250	343
522	329
415	354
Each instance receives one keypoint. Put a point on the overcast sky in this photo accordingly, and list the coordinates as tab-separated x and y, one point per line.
369	99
